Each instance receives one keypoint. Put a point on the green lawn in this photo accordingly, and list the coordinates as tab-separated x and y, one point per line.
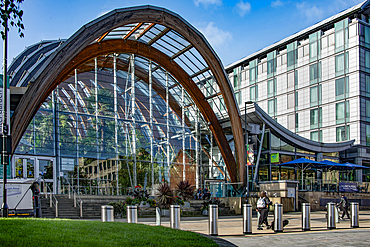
62	232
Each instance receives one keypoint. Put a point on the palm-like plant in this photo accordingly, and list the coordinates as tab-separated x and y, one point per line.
185	190
164	195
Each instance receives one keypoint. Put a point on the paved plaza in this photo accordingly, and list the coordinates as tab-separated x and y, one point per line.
230	231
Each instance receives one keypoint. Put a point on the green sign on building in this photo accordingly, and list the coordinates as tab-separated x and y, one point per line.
275	158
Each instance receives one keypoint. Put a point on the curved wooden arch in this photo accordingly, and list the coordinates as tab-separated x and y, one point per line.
62	59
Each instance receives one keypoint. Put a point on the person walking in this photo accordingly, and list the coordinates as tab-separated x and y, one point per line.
343	204
261	209
268	203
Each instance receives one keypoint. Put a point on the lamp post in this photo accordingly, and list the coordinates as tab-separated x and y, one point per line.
246	142
4	151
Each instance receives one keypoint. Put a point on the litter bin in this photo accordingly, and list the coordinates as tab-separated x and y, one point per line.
107	213
213	220
247	219
175	216
354	215
131	214
331	221
306	221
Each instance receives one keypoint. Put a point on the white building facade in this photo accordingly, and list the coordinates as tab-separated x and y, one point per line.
316	83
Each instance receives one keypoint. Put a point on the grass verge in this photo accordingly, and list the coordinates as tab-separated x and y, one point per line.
63	232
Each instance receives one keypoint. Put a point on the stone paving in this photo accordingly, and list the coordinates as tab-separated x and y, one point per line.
230	231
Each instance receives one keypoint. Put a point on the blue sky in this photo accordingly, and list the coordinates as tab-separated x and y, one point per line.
235	29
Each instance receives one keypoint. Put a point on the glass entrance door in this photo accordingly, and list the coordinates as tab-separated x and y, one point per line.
24	168
35	167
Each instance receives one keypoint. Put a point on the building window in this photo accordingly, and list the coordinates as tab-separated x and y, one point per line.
271	88
316	136
367	85
341	64
368	135
316	118
272	107
341	88
341	35
367	110
209	87
253	93
342	133
342	112
367	60
292	55
315	73
366	33
236	77
296	121
253	71
222	104
237	96
315	95
271	64
210	102
296	99
315	46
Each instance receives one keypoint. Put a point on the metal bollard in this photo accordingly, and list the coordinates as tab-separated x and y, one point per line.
107	213
331	222
306	220
278	218
213	220
175	216
131	214
157	216
247	219
354	215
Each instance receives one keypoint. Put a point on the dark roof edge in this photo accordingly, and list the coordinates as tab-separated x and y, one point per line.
299	141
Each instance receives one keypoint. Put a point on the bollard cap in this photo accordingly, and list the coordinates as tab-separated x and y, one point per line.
132	207
107	207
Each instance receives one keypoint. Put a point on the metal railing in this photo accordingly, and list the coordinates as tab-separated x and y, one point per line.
88	186
77	201
333	185
51	196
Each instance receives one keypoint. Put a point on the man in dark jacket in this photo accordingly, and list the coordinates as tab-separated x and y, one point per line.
344	206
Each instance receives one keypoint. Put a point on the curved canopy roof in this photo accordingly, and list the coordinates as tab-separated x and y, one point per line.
258	116
153	33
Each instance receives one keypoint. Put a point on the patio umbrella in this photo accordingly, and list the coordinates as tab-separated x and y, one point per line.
355	166
302	164
334	165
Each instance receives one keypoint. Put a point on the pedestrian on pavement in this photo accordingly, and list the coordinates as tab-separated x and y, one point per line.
343	204
262	209
268	203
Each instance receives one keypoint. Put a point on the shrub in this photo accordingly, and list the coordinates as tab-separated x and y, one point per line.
164	195
185	190
152	202
119	208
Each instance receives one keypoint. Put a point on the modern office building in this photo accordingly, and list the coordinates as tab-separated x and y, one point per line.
316	83
138	97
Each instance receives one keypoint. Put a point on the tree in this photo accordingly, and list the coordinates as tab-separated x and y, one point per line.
11	11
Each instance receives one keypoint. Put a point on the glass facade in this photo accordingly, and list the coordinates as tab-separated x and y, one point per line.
119	121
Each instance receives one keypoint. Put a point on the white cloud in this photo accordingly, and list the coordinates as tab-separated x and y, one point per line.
207	2
215	35
310	12
276	3
243	8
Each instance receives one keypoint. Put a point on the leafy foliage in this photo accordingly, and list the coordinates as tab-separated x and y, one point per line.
11	11
185	190
119	208
165	195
